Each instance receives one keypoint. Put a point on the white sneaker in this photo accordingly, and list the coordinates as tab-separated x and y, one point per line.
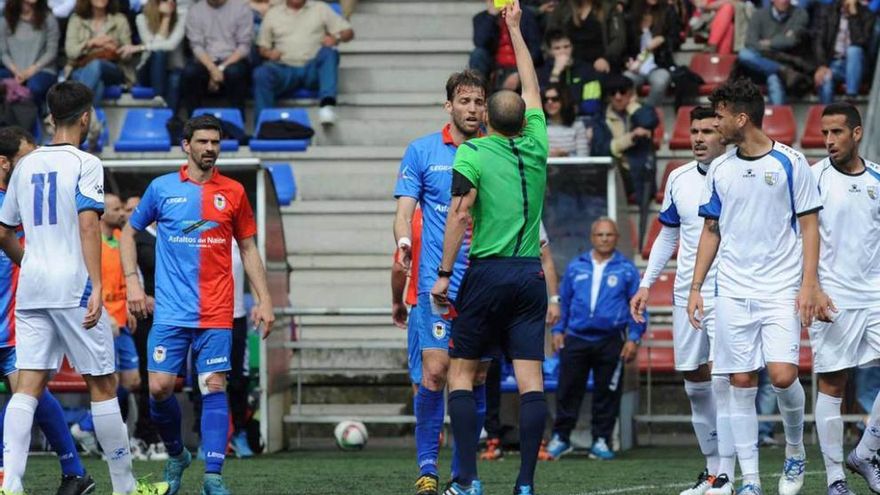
138	449
157	452
327	115
721	486
792	479
703	484
85	439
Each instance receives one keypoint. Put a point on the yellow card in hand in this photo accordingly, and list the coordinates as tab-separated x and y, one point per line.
500	4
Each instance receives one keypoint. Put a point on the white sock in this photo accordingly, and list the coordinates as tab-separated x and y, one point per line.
870	442
829	425
726	450
17	439
744	423
791	406
703	419
113	437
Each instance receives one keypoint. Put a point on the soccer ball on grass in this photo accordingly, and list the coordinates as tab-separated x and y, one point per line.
350	435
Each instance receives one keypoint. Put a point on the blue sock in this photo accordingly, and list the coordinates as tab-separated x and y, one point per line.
480	399
2	416
122	396
532	415
215	428
429	423
166	417
463	412
50	416
86	423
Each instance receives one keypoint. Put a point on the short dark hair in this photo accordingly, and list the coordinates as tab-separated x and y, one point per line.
506	112
567	109
700	113
201	123
556	35
848	110
467	78
10	140
68	100
741	96
616	82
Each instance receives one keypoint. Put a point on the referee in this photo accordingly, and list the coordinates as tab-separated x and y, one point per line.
498	183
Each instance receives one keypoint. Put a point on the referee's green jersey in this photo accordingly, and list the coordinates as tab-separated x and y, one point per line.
510	175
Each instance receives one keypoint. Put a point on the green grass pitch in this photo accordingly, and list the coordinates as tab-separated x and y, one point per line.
650	471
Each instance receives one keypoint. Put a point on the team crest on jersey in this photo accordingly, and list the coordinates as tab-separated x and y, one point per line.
439	330
159	354
872	192
612	280
219	202
771	178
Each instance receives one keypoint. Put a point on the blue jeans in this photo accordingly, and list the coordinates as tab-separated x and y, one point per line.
39	85
96	74
848	69
164	80
768	68
273	78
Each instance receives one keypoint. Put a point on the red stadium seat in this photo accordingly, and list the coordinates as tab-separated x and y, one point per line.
812	137
779	123
681	134
653	232
657	359
662	290
805	364
659	130
670	166
713	68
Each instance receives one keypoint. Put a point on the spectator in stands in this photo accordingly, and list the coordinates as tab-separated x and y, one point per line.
580	78
29	46
220	33
625	136
161	27
493	52
566	134
716	17
98	46
843	35
298	40
655	24
777	29
595	333
597	31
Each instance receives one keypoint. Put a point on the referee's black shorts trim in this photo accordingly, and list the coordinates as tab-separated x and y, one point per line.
502	305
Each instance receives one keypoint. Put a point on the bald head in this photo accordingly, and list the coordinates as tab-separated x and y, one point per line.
506	112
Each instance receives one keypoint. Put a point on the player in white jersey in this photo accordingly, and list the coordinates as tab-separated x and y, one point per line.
56	195
682	225
849	272
760	204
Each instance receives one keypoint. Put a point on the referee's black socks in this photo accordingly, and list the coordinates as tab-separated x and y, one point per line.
463	414
532	415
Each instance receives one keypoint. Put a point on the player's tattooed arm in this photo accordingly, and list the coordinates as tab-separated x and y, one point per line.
712	227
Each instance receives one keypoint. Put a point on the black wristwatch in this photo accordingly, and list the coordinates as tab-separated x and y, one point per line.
444	273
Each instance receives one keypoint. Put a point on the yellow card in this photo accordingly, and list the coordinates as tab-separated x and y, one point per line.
500	4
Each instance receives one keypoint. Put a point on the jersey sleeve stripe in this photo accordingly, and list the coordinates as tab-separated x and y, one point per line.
789	174
670	217
812	210
712	209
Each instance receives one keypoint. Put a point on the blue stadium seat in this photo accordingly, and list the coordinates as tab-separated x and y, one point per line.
551	376
284	182
144	130
142	92
336	7
231	115
112	92
104	138
292	114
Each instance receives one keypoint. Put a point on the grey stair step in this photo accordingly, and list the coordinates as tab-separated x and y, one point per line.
347	288
340	207
374	132
393	47
351	153
450	60
352	332
340	262
408	27
346	180
421	8
340	233
367	344
416	97
404	80
348	356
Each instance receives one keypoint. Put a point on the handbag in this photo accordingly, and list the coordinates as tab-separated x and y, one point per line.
108	54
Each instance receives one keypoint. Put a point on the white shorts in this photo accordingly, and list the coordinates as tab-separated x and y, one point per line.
852	339
750	333
694	347
44	336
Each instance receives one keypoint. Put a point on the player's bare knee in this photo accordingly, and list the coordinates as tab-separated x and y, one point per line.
210	383
701	374
744	380
130	381
782	376
434	379
102	387
833	384
162	386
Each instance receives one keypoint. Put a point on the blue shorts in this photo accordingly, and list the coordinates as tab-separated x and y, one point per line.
433	330
126	352
502	305
414	352
7	361
168	348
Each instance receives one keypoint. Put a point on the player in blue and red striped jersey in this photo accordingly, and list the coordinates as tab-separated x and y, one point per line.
15	143
198	212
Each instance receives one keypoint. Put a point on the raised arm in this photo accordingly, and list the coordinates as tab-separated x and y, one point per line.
531	91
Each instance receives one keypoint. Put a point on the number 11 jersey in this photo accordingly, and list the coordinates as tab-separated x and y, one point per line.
48	189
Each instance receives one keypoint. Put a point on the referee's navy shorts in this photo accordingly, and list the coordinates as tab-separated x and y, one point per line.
501	305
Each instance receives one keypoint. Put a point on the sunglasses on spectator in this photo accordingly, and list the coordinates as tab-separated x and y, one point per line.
551	99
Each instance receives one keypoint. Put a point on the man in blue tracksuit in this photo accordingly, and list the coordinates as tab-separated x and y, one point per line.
595	332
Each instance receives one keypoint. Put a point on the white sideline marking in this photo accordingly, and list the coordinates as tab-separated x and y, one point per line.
641	488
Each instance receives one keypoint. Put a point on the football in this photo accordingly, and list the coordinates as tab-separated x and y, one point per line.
350	435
